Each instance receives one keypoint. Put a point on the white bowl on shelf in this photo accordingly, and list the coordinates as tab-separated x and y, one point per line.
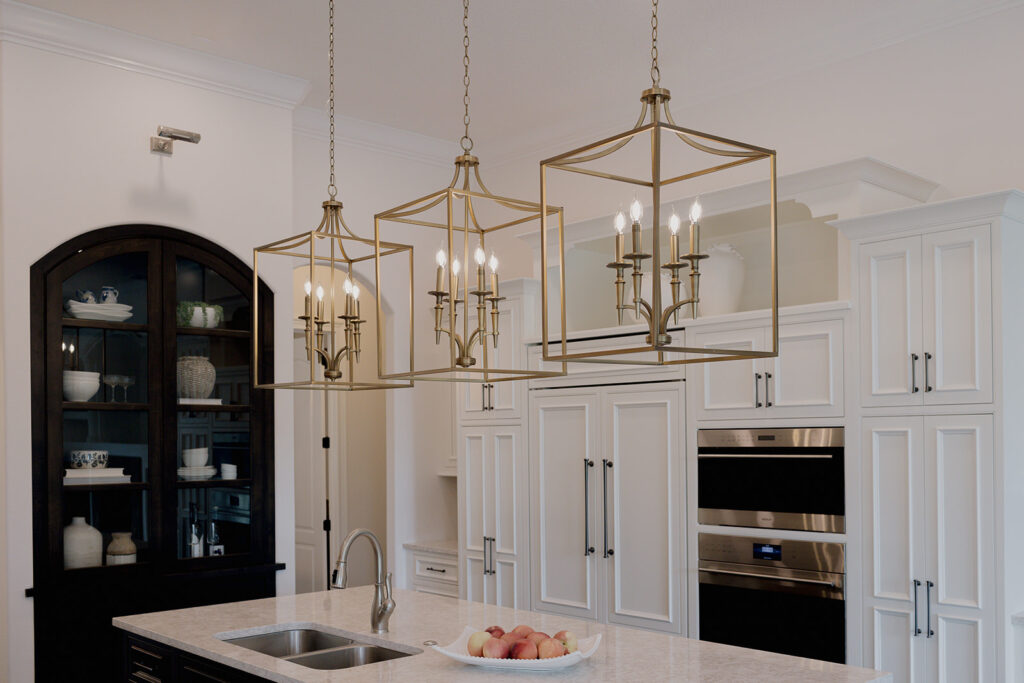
195	457
79	385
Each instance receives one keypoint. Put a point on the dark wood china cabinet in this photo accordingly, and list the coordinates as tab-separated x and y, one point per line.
188	443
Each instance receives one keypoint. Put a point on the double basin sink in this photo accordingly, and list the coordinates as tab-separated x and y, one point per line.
317	649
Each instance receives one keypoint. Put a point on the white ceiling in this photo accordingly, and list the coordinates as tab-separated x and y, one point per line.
541	68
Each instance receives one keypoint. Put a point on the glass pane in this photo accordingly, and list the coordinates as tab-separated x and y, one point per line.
109	511
113	289
119	357
213	521
202	288
230	359
122	434
215	441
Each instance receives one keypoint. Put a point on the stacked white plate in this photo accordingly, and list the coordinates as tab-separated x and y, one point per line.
204	472
109	312
96	475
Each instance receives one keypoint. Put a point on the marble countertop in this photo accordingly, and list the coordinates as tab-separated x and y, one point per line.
624	654
438	547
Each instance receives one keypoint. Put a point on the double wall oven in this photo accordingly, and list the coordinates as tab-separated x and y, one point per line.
781	595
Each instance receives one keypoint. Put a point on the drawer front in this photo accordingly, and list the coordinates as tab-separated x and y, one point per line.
437	568
147	662
450	590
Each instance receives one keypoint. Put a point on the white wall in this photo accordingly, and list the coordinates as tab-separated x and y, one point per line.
74	149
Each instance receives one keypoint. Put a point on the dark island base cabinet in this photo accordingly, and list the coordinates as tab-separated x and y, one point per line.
148	662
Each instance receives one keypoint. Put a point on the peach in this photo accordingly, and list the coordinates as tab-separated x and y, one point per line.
495	631
510	638
522	630
495	648
536	637
550	647
568	639
523	649
476	642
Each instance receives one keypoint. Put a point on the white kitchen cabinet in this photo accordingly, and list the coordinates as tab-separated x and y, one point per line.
606	488
926	320
493	536
929	547
804	380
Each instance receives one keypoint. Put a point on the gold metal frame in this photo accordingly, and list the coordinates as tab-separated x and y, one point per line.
469	227
333	245
655	118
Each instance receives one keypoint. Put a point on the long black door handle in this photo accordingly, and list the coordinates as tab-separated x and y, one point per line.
767	389
608	552
587	548
917	627
927	384
928	585
757	390
913	372
483	397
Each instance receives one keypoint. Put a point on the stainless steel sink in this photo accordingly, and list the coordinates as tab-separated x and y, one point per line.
308	646
294	641
347	657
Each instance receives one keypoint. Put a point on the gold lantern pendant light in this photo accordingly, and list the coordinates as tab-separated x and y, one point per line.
464	301
714	154
331	320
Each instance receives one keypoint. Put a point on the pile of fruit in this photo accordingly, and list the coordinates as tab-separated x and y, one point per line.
522	642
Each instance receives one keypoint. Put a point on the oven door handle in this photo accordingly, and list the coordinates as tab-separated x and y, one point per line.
802	456
770	577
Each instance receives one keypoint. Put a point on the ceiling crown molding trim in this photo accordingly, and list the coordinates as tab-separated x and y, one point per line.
374	137
61	34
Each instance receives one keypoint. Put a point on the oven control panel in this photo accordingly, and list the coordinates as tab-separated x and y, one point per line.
810	555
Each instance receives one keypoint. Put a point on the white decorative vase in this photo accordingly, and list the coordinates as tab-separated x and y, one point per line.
83	545
121	550
721	281
196	377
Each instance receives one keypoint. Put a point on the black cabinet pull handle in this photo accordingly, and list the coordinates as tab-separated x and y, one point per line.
492	556
486	572
483	397
608	552
490	397
917	627
913	372
927	384
767	393
439	571
587	548
928	607
757	390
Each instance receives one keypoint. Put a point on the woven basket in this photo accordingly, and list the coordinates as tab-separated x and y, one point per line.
196	377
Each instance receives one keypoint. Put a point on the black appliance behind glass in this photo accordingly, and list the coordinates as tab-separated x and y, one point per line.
776	478
781	596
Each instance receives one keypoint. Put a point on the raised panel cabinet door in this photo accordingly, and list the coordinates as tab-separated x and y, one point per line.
497	400
643	502
475	489
510	514
895	566
961	552
892	371
806	378
473	582
731	389
563	492
957	316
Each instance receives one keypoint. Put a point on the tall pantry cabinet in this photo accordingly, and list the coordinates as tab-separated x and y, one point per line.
938	292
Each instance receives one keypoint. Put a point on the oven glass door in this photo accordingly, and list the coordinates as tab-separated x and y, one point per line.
805	620
785	488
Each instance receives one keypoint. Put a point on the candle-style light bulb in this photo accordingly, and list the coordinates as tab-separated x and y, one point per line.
636	210
71	349
348	286
493	263
620	222
308	287
320	292
674	223
456	267
673	239
442	258
355	291
696	211
479	256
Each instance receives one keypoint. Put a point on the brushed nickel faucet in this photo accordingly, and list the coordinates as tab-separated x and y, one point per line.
383	604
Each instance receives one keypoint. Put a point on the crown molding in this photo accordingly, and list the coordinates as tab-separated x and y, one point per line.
374	137
61	34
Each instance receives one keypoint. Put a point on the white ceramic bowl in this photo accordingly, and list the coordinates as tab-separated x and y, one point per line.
195	457
80	386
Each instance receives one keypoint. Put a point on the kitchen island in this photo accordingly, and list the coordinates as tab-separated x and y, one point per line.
624	654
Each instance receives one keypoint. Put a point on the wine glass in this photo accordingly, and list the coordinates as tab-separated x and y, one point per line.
127	381
112	382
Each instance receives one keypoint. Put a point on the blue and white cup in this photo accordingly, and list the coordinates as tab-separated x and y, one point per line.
108	295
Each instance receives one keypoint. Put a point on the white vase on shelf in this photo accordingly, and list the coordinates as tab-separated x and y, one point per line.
721	281
83	545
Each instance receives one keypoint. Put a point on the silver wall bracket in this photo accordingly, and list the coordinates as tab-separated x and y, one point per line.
163	141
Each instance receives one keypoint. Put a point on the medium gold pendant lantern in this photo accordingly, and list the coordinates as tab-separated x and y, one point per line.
615	163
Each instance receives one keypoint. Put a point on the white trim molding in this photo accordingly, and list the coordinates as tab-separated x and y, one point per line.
61	34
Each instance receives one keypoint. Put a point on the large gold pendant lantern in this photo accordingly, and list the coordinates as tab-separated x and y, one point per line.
460	302
623	166
333	261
